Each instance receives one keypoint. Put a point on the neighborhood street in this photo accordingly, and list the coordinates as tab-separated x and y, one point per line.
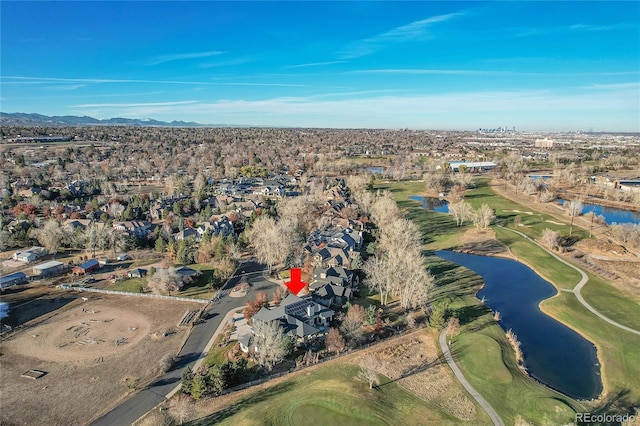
145	400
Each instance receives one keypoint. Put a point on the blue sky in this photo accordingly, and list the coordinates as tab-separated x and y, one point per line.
423	65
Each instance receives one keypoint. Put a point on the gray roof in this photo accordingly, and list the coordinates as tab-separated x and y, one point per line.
48	265
291	315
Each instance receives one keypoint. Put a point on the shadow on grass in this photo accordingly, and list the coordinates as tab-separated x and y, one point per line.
470	313
440	360
615	406
244	404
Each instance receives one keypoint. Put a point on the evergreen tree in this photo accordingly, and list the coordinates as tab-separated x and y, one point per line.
199	386
161	245
187	380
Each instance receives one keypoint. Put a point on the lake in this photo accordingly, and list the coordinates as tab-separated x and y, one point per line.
432	203
553	353
610	214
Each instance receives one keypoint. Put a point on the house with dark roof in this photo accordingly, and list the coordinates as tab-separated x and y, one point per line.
299	317
185	233
138	228
137	273
332	295
187	274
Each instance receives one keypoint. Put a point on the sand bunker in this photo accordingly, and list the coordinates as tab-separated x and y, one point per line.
86	332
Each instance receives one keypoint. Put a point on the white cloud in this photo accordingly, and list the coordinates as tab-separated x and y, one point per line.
130	105
609	110
315	64
575	28
161	59
417	30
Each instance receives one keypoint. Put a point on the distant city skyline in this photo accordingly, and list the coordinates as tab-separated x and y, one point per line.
536	66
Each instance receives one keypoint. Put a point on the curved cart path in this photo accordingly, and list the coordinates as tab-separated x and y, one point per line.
495	418
578	288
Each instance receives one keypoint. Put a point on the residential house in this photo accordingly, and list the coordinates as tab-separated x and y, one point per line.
137	273
137	228
29	255
187	274
74	224
186	233
299	317
331	256
331	294
335	275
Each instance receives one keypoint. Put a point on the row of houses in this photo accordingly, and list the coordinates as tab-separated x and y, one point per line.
332	284
222	227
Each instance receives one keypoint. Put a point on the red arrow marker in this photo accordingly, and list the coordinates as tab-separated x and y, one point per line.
296	284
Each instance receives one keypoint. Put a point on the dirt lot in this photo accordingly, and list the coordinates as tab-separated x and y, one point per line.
90	350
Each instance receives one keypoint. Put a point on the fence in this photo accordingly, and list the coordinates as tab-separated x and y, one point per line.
126	293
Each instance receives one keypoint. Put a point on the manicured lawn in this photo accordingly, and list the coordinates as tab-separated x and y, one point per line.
200	288
545	265
611	302
217	353
332	396
131	285
618	350
482	350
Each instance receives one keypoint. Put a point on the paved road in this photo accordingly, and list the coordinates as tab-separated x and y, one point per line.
495	418
578	288
145	400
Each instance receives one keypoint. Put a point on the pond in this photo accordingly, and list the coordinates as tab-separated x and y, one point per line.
553	353
610	214
432	203
376	170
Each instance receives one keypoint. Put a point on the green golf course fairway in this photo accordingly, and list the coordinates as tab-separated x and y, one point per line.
332	395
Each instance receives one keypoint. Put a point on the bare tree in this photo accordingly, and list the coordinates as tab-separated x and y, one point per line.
353	321
546	196
460	211
550	239
334	341
574	208
166	362
180	408
483	217
453	326
513	166
95	238
270	241
165	281
268	339
384	210
369	367
51	236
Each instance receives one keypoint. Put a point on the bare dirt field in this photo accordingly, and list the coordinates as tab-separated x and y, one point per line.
91	352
